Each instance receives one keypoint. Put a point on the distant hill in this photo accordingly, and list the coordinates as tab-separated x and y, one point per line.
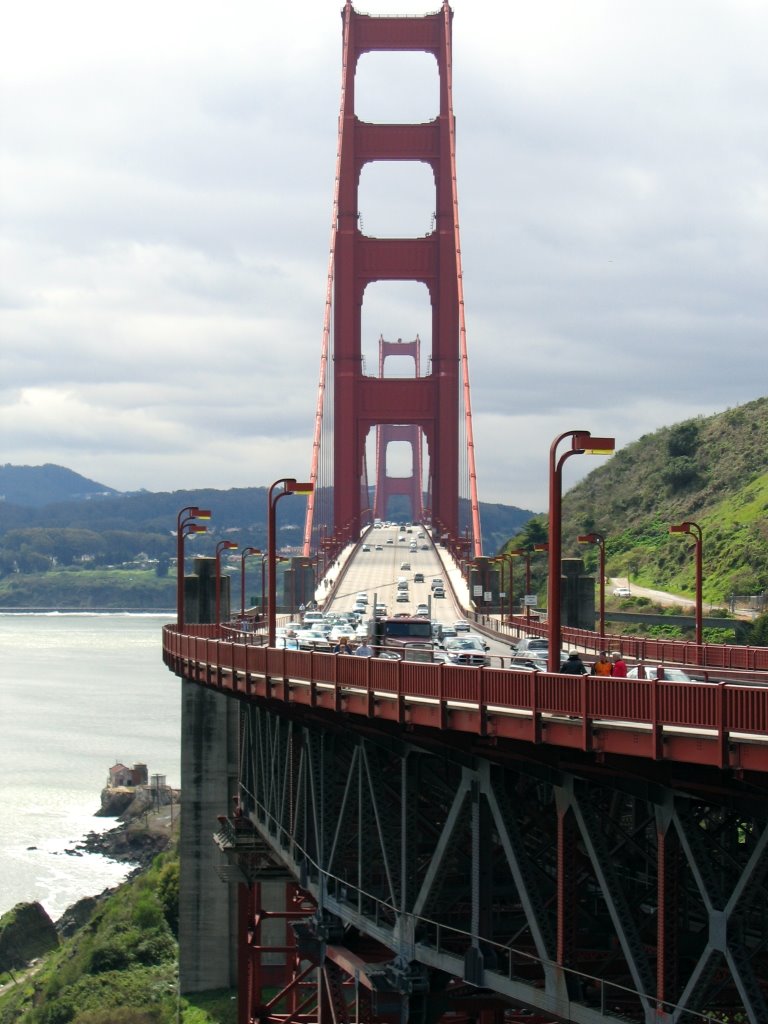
709	470
51	498
38	486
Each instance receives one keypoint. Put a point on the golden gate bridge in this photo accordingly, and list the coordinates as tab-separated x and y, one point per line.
433	842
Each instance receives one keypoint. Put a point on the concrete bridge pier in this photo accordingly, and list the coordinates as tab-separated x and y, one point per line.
207	905
210	725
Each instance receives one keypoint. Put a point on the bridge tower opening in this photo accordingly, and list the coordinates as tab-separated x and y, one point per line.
388	485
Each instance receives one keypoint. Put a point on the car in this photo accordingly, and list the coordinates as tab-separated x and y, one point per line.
381	610
405	566
446	633
310	618
366	547
438	592
402	597
462	626
379	547
531	643
312	639
362	597
418	577
437	582
422	609
289	643
424	547
390	655
534	661
522	663
671	675
465	650
622	592
390	541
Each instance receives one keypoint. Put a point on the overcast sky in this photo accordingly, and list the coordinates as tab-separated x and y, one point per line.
166	177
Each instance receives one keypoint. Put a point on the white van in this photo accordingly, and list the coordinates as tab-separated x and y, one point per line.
309	618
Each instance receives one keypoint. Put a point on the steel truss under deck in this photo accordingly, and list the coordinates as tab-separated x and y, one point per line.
442	877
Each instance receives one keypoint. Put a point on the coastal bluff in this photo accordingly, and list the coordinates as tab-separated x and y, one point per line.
26	934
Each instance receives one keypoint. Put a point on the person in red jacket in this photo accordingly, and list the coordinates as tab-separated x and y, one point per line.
619	666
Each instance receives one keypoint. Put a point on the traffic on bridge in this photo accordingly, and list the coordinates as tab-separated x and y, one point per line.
411	820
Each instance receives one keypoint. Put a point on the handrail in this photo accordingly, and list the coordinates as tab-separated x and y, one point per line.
718	724
647	649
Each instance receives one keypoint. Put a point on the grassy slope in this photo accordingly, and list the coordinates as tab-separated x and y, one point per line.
120	968
709	470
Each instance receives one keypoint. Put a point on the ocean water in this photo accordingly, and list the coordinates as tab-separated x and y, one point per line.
78	692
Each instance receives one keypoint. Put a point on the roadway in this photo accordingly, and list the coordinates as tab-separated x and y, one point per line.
376	573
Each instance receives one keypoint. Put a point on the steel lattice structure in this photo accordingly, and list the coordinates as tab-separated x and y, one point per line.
446	875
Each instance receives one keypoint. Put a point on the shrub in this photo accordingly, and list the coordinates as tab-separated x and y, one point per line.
168	894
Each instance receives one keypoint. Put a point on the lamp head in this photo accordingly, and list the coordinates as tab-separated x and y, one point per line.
194	528
200	513
680	528
293	487
589	445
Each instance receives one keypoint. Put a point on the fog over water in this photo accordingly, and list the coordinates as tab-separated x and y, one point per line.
78	692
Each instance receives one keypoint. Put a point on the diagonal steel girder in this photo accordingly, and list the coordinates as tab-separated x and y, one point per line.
392	837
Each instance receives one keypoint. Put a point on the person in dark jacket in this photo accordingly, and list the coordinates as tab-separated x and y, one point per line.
574	666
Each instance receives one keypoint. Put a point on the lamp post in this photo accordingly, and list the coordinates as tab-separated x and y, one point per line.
582	443
185	527
223	545
509	557
543	549
244	554
599	540
695	531
290	486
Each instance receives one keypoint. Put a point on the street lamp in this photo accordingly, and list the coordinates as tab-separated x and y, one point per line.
290	486
508	557
542	548
599	540
244	554
582	443
223	545
695	531
185	527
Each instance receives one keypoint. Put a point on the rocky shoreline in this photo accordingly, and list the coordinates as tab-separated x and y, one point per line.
27	931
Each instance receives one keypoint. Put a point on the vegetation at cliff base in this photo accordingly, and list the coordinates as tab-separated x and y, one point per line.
119	968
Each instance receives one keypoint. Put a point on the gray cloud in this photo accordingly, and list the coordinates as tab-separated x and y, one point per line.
167	182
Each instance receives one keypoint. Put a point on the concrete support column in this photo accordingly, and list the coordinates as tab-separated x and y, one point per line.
207	905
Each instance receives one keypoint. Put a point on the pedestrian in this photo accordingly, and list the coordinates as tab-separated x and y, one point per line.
364	650
619	666
341	646
602	666
573	666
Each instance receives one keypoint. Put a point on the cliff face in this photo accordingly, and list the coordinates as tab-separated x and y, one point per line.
26	933
130	802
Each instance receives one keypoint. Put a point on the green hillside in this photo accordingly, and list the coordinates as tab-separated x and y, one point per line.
711	470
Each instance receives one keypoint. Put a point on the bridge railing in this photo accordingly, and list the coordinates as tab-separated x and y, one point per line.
648	649
712	723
